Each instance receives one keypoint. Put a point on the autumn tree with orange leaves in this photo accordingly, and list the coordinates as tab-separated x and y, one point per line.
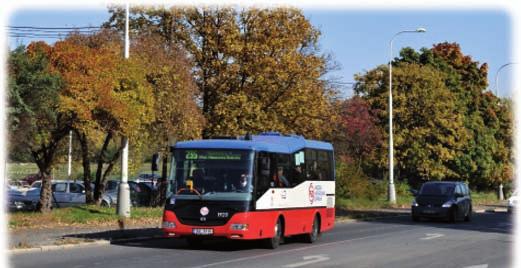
108	96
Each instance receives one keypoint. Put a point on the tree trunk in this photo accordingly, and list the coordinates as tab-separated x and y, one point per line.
89	198
101	177
98	185
45	203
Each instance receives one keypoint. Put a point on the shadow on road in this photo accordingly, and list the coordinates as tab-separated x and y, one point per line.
131	237
498	222
494	222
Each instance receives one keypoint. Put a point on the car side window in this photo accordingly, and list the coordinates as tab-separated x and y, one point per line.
459	190
59	187
75	188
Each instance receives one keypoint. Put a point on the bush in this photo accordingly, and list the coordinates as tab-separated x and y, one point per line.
351	182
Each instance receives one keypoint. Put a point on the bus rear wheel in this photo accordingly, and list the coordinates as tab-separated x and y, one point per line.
315	231
274	242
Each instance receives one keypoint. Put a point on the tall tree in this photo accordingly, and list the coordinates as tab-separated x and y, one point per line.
485	160
177	116
105	93
256	69
480	153
428	130
35	120
358	135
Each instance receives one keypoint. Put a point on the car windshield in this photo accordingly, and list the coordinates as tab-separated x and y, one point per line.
437	189
212	173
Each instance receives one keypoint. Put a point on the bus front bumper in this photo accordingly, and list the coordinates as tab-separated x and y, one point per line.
239	226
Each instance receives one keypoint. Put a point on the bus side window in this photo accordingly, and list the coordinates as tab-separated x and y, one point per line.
312	167
297	174
324	165
263	173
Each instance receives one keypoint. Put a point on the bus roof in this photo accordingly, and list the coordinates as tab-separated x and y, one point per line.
269	142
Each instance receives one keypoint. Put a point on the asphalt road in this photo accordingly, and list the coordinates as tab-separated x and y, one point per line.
391	242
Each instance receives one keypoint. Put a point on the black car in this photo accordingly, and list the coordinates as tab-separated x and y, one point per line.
444	200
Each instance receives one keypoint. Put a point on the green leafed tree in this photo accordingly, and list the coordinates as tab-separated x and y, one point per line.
428	131
36	123
462	121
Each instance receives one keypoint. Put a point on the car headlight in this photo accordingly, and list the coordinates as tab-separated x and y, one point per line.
414	203
239	227
447	204
168	224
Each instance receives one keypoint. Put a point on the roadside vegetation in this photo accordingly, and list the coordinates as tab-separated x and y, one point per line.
204	72
87	216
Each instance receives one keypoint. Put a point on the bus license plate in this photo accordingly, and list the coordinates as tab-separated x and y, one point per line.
202	231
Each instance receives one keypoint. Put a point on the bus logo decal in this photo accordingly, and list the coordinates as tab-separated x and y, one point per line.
311	192
204	211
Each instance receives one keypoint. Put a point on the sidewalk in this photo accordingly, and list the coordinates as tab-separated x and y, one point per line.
25	240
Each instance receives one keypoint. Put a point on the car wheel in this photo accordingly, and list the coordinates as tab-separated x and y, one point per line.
105	204
315	231
468	217
274	242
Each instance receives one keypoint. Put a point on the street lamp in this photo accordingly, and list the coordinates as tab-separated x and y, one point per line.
501	195
391	190
497	75
123	208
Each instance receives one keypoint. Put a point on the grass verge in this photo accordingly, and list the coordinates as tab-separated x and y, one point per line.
83	216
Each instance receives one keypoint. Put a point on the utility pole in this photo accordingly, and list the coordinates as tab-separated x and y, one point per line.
124	189
69	168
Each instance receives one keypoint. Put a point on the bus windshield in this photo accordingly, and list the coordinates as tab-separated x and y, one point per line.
212	173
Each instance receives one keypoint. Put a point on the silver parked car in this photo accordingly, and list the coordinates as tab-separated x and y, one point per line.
66	193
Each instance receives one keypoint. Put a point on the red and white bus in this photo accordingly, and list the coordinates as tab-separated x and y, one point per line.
267	186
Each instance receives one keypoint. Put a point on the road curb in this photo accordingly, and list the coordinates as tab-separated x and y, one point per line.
46	248
495	210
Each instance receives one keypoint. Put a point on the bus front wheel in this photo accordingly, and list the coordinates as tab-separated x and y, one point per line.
274	242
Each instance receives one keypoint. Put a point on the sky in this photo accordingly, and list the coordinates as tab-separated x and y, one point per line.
358	40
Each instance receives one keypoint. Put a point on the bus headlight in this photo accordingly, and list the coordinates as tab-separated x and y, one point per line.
168	224
239	227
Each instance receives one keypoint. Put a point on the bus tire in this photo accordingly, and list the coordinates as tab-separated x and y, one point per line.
315	231
274	242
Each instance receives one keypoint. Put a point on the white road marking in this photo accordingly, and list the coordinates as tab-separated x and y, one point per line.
432	236
477	266
309	260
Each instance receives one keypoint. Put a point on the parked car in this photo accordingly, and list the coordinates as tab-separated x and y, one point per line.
512	202
150	179
66	193
442	199
17	185
29	179
140	193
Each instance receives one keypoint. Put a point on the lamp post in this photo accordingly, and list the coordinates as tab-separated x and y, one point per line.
500	195
391	189
124	189
497	75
